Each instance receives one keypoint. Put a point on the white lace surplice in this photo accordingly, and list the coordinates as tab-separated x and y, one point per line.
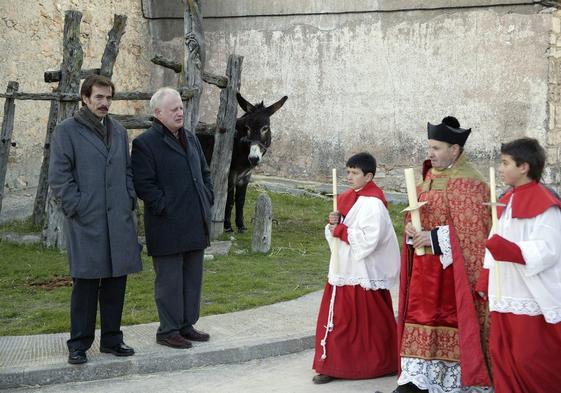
535	288
371	259
437	376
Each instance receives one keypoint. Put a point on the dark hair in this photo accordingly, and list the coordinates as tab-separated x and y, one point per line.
95	80
526	150
363	161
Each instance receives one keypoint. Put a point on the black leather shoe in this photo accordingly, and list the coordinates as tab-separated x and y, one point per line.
320	379
121	349
175	341
408	388
77	356
195	335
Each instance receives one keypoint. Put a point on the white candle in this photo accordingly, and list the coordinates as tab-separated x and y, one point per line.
334	180
493	188
335	240
411	186
413	203
495	221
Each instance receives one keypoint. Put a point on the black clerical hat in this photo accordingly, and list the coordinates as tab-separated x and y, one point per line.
448	131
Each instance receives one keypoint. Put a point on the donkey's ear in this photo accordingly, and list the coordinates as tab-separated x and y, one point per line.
246	106
276	106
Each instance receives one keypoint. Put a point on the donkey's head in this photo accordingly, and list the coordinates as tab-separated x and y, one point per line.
253	127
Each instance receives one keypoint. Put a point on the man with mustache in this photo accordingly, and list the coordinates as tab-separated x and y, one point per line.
90	174
171	176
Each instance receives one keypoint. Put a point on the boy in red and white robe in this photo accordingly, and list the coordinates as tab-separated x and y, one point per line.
525	337
356	328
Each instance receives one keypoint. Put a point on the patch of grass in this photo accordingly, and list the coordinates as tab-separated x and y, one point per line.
20	226
35	298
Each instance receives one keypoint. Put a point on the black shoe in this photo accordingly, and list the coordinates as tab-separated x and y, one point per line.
408	388
195	335
120	349
175	341
77	356
320	379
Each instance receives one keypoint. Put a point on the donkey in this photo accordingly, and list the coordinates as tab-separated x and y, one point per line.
251	141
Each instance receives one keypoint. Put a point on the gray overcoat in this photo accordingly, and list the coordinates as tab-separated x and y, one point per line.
96	193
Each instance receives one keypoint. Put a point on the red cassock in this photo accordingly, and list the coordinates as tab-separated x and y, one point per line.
525	337
362	341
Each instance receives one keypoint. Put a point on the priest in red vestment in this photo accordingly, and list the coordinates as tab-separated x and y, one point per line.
525	301
442	320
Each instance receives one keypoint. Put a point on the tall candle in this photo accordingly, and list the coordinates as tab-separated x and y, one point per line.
413	203
335	240
334	180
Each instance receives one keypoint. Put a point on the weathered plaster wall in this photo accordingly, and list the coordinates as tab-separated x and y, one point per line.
553	138
31	43
369	75
372	81
360	75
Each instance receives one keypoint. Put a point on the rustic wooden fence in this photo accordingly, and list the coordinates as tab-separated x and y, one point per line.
65	97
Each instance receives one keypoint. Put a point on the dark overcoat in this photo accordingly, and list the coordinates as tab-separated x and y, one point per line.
96	193
176	188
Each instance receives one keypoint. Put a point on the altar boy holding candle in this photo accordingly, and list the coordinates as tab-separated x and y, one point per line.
442	320
356	329
525	304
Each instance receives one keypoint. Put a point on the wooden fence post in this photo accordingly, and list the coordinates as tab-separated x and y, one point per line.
6	135
39	204
72	60
262	229
224	142
194	61
112	47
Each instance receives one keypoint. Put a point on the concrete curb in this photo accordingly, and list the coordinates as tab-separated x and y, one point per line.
150	363
278	329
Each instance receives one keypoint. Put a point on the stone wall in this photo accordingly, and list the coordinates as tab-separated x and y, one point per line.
369	75
31	44
553	140
360	75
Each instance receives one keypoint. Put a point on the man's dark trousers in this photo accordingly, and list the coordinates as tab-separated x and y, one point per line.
83	310
178	291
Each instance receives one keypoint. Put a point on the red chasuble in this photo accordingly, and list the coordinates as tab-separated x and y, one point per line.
440	315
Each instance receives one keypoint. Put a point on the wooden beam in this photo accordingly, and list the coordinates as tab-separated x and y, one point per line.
66	97
212	79
186	94
72	59
40	201
139	122
224	142
194	60
6	135
54	76
262	229
167	63
112	46
133	122
217	80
